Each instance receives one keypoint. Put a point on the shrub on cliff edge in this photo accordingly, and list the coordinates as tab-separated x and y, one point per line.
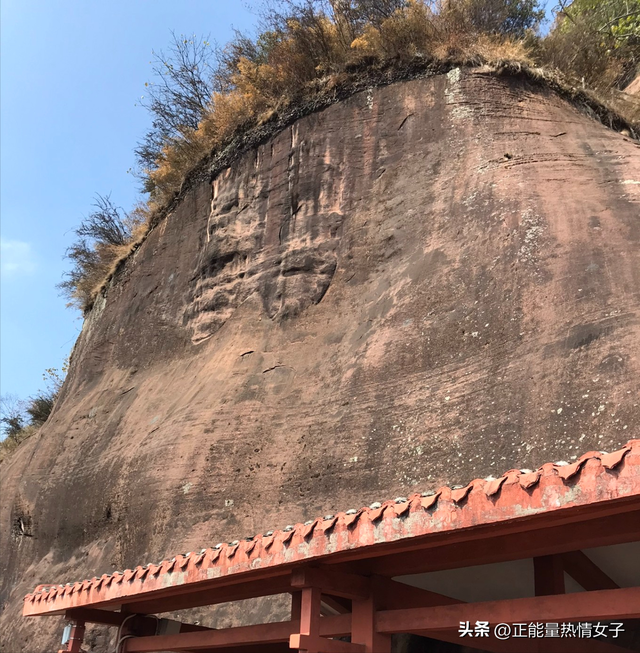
301	43
101	239
597	42
204	96
20	419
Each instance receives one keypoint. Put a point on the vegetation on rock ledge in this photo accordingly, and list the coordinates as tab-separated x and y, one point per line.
203	96
20	419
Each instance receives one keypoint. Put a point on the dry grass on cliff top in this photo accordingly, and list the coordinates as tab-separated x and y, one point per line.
309	66
296	71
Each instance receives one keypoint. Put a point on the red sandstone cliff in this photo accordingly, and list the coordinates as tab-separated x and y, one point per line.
428	282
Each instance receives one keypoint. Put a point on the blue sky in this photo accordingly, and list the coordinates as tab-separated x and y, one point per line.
71	74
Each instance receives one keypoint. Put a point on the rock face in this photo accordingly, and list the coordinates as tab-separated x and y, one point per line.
428	282
634	87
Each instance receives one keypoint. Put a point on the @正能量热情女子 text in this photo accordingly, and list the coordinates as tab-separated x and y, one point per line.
536	630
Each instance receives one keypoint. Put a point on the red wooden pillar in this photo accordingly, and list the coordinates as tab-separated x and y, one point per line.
315	583
309	638
548	573
76	638
296	606
363	627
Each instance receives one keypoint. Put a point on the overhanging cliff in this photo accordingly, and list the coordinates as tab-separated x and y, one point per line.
427	282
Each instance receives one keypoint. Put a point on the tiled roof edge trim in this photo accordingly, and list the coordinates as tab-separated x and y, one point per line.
515	493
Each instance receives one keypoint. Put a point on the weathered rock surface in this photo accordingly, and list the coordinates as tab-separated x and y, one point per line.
634	87
428	282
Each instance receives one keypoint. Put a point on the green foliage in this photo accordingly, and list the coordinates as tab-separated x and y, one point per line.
618	21
597	41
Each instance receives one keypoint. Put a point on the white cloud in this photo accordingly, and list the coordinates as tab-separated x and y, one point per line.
16	257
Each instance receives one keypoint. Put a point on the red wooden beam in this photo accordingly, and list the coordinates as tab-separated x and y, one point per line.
244	635
583	606
316	644
91	615
620	517
393	595
336	604
336	626
331	582
504	544
186	596
278	647
548	575
308	640
585	572
109	618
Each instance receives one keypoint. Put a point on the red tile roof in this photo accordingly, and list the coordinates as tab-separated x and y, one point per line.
595	477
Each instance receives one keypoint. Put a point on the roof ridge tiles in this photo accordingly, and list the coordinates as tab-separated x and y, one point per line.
613	459
459	494
479	495
493	487
430	500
